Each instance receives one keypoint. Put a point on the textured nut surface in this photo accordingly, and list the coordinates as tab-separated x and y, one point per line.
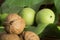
11	17
28	35
9	37
14	24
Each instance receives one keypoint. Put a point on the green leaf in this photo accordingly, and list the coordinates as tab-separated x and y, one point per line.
14	6
48	1
0	10
38	30
57	5
1	29
58	27
49	31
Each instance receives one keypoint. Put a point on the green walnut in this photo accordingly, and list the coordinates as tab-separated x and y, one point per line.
45	16
28	15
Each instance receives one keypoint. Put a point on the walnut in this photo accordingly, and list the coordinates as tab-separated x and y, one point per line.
9	37
28	35
14	24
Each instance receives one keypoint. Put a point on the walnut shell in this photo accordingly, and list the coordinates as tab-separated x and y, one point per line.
9	37
13	16
14	24
28	35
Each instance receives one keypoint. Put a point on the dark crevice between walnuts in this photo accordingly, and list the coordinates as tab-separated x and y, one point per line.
23	35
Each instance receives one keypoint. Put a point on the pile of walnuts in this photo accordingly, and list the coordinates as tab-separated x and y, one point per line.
14	26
